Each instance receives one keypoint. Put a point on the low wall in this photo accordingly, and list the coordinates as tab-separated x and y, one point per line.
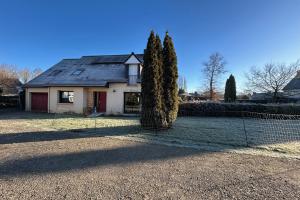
235	109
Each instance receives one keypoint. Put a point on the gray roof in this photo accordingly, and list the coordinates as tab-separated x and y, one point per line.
294	84
108	59
96	71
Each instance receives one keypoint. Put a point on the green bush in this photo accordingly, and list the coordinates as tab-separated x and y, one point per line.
235	109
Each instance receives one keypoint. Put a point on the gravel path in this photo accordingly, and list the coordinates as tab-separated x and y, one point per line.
106	168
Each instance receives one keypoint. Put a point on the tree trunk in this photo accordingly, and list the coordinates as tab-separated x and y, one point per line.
275	98
211	92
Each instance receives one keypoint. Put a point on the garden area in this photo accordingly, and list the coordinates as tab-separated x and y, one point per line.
219	133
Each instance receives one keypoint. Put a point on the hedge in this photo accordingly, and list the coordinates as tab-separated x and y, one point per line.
235	109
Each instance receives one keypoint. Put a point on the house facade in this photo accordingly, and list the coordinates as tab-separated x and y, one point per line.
109	84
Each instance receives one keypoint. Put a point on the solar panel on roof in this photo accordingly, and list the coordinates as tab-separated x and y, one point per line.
55	72
98	70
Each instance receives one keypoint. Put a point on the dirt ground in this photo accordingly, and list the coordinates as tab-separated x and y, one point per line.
105	168
39	162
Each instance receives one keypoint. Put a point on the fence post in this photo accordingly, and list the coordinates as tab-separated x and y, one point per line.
246	137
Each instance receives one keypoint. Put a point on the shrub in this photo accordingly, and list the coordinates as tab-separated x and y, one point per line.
235	109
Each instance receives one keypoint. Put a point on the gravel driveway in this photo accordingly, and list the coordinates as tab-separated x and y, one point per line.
106	168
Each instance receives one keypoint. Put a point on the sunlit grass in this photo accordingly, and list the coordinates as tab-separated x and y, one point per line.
214	130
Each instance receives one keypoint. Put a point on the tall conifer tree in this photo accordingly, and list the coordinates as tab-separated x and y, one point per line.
230	89
226	91
160	77
170	76
152	115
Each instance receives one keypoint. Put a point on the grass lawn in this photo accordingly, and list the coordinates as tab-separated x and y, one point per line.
279	136
44	156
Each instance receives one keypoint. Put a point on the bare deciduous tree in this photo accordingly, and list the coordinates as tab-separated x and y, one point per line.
8	75
26	74
212	71
271	78
8	78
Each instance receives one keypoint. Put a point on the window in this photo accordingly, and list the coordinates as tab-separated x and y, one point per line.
77	72
55	72
132	74
132	79
132	102
66	96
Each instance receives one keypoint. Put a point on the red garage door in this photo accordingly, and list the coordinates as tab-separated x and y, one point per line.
39	102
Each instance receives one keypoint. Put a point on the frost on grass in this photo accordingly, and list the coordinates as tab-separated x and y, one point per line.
278	136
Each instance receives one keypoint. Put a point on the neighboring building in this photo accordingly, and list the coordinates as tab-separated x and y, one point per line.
109	84
12	87
192	97
261	96
290	93
292	89
10	93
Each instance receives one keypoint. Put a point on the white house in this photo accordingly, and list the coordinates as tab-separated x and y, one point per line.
107	84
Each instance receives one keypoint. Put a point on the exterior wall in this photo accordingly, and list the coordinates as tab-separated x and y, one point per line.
76	107
83	98
28	92
115	96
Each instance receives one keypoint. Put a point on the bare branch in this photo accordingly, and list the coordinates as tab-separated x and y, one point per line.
212	71
271	78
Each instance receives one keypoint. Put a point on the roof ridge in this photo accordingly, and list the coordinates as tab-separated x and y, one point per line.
112	55
71	59
107	55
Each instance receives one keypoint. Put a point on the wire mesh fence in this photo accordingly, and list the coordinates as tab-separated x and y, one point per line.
229	128
241	128
262	128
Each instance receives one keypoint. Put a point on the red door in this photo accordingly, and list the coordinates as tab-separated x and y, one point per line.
39	102
101	102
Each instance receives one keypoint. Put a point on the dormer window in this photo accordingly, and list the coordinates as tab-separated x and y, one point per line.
133	74
133	64
77	72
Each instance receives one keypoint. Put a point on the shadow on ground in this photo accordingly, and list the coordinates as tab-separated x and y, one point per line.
39	136
93	158
7	114
87	159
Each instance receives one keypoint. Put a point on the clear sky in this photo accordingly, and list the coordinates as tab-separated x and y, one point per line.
39	33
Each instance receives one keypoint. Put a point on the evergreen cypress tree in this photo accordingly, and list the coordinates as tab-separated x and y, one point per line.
160	71
170	76
230	89
152	115
226	91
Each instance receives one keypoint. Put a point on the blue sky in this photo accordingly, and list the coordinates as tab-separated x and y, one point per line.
36	33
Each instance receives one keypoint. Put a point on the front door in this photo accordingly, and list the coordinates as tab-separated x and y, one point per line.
101	107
